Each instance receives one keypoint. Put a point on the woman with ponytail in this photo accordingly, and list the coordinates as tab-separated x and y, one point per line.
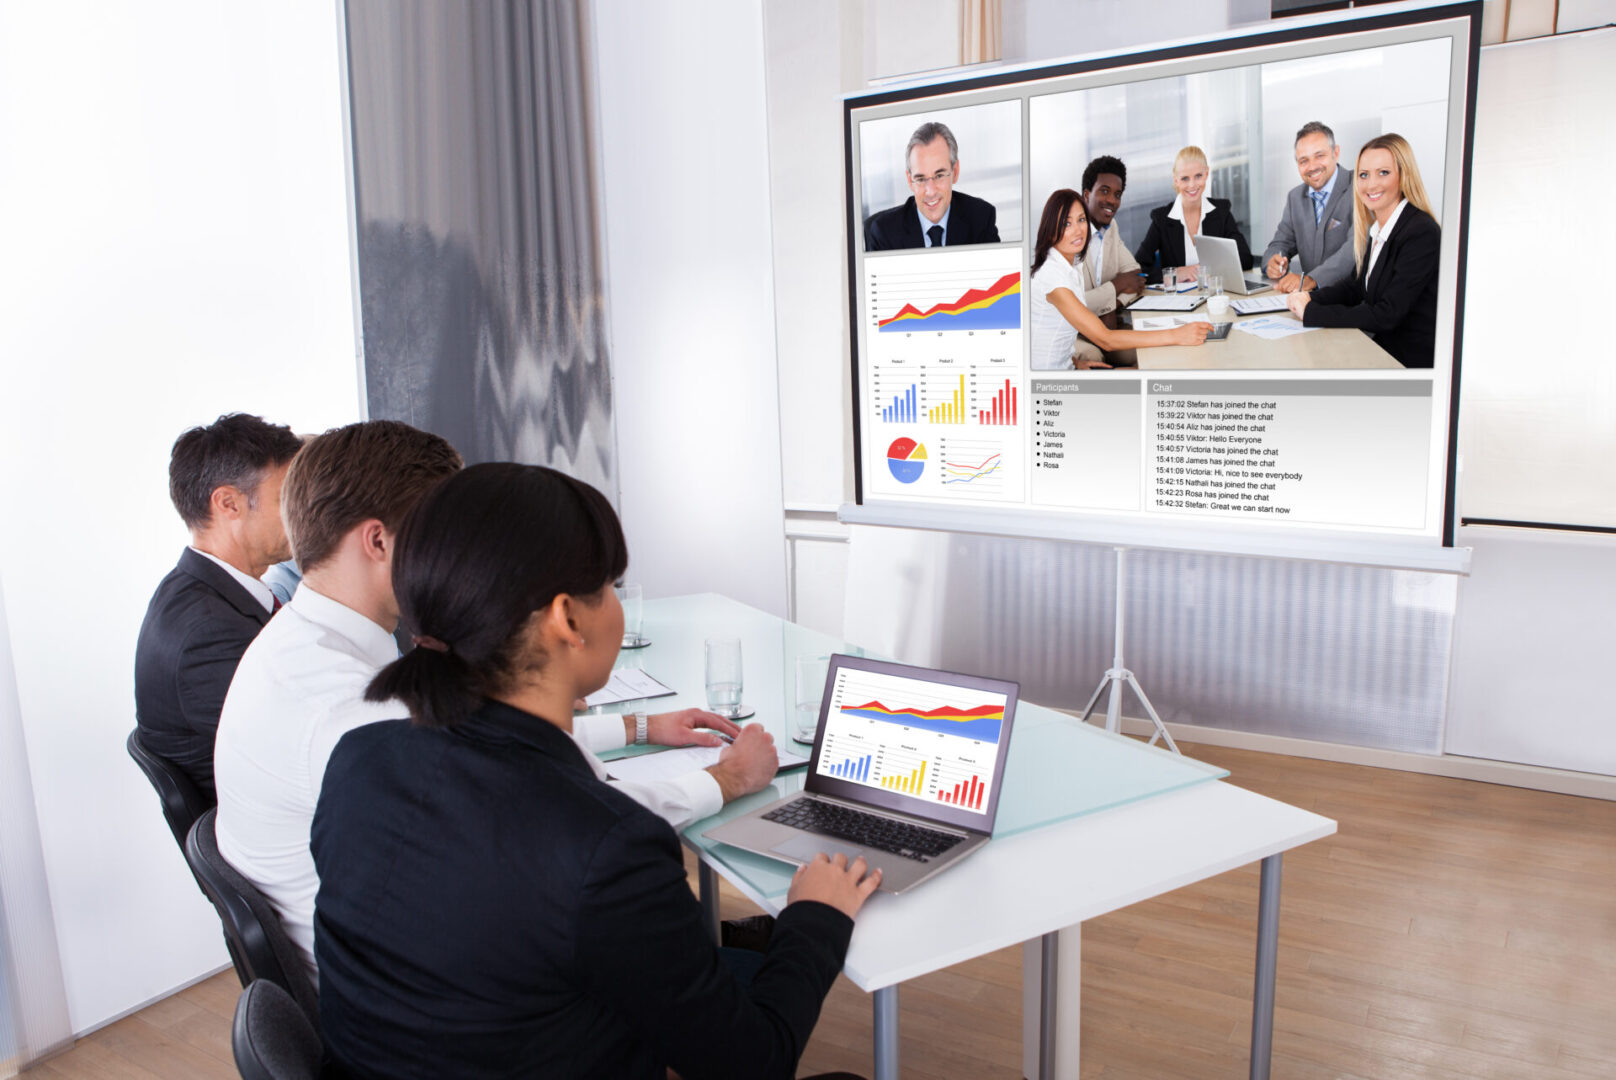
488	905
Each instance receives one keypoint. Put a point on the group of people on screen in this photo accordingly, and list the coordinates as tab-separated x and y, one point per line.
472	893
1355	250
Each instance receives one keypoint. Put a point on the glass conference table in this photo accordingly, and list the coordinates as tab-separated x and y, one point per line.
1089	822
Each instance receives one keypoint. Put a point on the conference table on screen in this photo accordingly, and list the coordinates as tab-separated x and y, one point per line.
1089	822
1318	349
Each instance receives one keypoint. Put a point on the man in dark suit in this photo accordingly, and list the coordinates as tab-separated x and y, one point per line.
935	215
225	480
1317	220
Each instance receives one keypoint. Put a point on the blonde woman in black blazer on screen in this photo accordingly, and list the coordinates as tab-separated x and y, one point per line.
1398	242
1175	227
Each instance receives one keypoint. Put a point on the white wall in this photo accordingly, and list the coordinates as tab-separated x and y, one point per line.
177	247
690	287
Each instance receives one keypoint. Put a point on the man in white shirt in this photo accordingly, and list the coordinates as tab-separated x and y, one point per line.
300	687
225	481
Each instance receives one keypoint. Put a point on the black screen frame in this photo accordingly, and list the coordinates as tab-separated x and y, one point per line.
1467	9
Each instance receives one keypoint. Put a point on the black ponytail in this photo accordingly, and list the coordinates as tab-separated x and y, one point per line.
438	687
473	561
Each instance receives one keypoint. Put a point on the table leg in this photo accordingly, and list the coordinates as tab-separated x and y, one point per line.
886	1033
1051	995
707	882
1262	994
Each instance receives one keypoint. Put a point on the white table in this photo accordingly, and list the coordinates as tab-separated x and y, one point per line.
1035	887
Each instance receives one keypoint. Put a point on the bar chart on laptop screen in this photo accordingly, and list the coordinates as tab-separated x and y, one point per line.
922	739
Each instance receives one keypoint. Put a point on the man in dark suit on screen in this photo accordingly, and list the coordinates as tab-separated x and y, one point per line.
225	480
935	215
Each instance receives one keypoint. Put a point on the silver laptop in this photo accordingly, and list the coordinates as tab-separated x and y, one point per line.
1222	257
905	771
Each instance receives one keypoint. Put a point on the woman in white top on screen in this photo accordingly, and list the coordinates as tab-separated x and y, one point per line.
1193	213
1058	314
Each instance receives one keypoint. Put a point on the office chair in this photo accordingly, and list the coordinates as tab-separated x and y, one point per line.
271	1039
182	803
259	946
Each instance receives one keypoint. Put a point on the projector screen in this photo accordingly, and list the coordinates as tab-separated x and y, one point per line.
1017	371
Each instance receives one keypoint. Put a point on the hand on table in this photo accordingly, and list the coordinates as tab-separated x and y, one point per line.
747	764
685	728
1297	302
1128	283
834	882
1191	334
1187	273
1295	283
1089	365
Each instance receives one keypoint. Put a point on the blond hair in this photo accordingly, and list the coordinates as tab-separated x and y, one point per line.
1190	153
1408	180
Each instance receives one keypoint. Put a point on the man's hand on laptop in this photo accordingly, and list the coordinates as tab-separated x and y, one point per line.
834	882
688	727
747	764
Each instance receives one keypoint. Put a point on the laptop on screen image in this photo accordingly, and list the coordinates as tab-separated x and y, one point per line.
906	772
1221	256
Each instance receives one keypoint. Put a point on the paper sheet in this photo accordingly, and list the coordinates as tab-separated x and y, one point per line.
1273	327
627	684
668	764
1168	323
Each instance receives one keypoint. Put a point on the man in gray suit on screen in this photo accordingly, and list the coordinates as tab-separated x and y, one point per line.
1317	221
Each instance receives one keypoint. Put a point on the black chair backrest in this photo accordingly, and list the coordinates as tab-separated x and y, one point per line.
182	803
258	943
271	1038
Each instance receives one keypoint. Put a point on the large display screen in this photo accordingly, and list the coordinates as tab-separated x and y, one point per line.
1216	285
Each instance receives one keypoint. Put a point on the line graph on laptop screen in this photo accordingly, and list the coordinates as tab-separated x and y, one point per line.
927	740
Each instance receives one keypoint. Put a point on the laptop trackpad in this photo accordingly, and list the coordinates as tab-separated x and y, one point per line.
803	847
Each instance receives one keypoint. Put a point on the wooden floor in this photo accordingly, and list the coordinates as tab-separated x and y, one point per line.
1451	930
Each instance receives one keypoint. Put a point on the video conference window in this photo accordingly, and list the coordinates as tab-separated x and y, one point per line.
1227	289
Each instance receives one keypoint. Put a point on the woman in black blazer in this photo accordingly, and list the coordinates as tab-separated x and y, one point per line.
488	905
1163	245
1398	243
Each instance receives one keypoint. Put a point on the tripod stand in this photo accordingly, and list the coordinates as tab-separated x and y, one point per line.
1117	674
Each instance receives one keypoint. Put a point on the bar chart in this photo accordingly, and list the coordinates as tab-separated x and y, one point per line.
1002	411
903	409
952	410
911	783
851	769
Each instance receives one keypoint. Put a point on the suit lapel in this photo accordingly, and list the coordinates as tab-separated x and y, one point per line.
913	237
214	577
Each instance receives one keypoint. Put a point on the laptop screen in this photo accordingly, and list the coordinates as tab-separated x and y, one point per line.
934	739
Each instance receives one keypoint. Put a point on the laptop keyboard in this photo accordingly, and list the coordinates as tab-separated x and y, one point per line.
866	830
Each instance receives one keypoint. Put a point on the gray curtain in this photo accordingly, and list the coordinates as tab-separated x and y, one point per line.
479	261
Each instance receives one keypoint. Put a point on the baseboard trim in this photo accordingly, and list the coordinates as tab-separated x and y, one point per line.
1508	773
93	1028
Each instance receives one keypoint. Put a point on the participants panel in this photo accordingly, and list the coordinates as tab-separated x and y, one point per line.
1085	437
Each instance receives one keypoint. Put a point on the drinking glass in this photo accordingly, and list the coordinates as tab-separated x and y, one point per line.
724	678
812	672
632	597
1169	279
1213	282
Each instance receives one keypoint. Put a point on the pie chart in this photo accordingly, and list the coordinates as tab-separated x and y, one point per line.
907	460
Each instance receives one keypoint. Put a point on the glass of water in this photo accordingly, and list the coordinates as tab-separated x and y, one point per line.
724	678
1214	284
1169	279
632	597
812	672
